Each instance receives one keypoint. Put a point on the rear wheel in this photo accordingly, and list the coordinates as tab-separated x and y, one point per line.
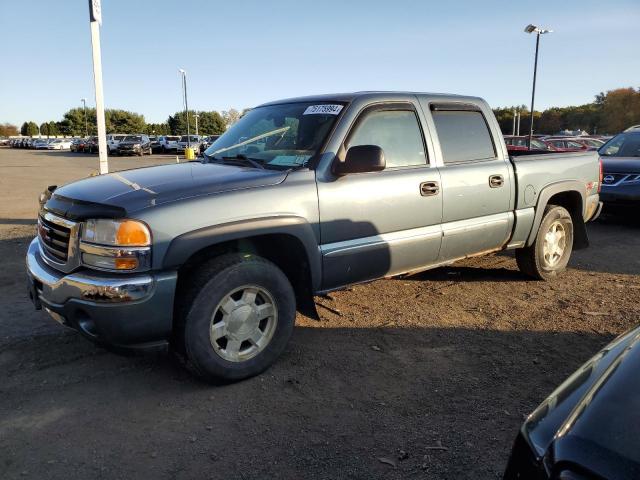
550	252
237	316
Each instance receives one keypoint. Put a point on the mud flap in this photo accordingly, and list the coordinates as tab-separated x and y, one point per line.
307	307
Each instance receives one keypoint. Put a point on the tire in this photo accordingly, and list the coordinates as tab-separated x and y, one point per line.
225	353
150	151
546	258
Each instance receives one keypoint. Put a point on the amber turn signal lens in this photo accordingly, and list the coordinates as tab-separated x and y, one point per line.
125	263
132	233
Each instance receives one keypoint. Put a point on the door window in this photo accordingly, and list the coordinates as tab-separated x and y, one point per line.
397	132
464	136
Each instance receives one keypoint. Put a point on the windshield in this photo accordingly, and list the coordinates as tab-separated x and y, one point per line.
283	136
622	145
193	138
539	145
132	138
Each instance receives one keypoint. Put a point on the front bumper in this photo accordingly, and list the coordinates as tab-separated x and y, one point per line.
132	311
621	194
126	150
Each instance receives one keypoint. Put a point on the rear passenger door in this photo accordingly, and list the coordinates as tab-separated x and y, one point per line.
476	182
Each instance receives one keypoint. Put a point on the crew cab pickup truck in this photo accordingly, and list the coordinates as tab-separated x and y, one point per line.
300	197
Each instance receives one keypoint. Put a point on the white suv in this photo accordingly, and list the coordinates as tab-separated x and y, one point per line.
112	142
168	142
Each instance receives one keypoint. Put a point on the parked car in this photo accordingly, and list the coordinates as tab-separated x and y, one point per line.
297	198
207	141
113	139
135	145
155	144
587	429
59	144
592	143
521	144
77	145
168	143
40	144
621	165
90	145
565	144
192	140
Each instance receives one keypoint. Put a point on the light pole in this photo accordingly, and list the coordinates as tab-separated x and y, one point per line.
186	105
84	109
196	117
538	31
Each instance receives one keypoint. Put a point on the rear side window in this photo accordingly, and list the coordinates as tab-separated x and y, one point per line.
464	136
397	132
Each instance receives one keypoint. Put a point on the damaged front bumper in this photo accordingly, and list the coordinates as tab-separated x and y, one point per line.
133	311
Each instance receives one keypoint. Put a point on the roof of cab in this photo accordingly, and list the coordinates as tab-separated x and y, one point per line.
350	97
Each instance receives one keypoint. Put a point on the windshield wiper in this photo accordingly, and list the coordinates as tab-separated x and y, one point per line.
239	159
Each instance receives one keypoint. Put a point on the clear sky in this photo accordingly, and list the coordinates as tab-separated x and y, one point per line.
243	52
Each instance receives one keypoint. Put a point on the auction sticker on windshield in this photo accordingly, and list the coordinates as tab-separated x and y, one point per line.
323	109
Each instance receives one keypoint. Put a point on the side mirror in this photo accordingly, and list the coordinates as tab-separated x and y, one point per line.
361	159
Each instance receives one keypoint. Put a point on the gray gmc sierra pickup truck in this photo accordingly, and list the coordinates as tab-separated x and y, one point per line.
299	197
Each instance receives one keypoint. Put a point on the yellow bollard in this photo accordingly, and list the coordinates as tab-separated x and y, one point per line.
189	154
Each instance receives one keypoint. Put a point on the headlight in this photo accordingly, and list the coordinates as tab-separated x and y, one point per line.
137	145
129	233
116	245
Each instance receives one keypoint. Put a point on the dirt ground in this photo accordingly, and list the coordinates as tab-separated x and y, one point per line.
433	373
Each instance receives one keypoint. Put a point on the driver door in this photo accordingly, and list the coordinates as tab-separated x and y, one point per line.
381	223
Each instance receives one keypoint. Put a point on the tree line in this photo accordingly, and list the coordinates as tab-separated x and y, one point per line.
609	113
74	123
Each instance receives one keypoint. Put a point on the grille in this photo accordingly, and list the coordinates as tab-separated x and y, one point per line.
54	239
615	178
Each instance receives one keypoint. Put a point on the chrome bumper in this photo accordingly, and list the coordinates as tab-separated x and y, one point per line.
57	287
132	311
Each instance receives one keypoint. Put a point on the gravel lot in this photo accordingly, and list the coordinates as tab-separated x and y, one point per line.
431	373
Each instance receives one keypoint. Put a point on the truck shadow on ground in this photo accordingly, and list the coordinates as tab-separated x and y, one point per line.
340	396
18	221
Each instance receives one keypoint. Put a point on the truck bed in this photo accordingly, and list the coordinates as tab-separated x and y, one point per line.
535	172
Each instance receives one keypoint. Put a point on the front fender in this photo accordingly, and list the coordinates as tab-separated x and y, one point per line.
184	246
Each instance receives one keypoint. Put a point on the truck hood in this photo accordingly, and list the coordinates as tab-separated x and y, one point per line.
133	190
591	418
621	164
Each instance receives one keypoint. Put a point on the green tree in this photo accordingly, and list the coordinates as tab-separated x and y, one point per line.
157	129
122	121
29	129
73	122
209	123
116	121
49	129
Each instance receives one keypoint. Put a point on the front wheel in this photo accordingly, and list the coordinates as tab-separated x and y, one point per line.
237	317
550	252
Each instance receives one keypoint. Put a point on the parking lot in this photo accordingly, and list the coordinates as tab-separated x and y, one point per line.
427	376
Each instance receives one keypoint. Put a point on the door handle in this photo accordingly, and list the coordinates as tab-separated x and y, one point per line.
496	181
428	189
